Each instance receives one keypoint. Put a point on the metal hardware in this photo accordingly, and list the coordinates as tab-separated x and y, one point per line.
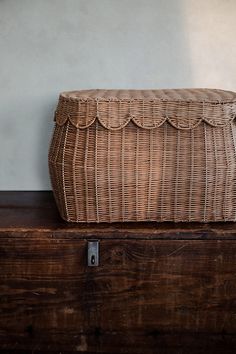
93	253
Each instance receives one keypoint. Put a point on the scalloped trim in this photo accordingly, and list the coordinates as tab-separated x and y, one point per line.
136	121
147	115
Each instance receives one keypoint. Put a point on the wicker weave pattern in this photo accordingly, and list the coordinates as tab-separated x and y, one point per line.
145	155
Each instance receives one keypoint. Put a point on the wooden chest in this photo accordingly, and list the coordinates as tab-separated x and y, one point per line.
157	288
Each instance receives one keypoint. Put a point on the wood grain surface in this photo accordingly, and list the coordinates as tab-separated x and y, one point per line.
149	294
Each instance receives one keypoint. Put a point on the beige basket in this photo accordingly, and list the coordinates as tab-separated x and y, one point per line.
142	155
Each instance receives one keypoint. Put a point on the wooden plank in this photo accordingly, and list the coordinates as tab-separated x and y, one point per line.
146	294
27	211
108	343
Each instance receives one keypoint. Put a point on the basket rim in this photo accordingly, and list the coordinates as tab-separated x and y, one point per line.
146	112
198	95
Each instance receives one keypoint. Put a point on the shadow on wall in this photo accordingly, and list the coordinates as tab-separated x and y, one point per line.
26	128
46	131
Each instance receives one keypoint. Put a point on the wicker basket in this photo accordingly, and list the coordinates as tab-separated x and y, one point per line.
142	155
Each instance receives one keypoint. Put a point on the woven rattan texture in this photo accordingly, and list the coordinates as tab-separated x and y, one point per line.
132	155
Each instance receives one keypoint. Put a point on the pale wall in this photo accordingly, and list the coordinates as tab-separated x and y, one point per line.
48	46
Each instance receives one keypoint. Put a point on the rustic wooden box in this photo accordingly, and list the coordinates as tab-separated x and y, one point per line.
145	155
157	288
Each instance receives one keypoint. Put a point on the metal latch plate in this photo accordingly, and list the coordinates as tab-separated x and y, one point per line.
93	253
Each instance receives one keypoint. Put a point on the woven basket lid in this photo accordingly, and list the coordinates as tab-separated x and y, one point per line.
114	109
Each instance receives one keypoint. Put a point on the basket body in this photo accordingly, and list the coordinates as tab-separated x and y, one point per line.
108	164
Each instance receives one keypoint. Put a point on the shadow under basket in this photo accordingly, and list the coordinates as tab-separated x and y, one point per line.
145	155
